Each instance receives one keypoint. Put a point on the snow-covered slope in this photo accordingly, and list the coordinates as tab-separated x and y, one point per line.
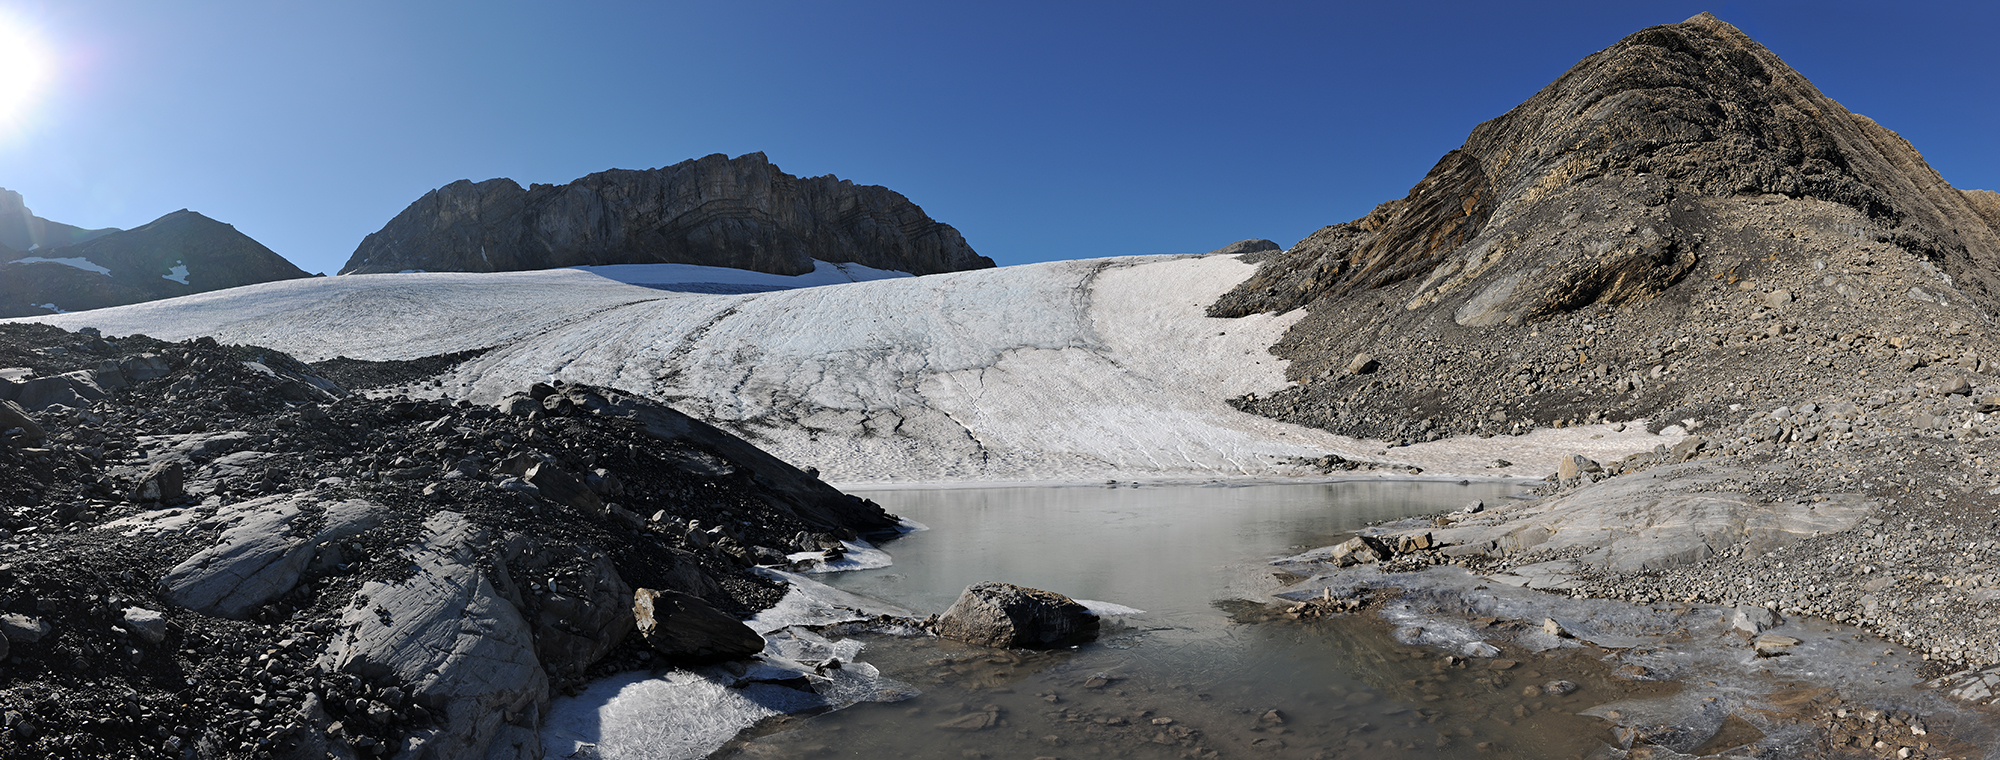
1076	370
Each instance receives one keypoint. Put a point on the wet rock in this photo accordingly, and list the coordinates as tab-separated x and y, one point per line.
689	630
1754	619
1005	615
1771	643
1559	688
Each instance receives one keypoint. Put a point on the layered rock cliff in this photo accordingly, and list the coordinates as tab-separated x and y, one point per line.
175	255
714	211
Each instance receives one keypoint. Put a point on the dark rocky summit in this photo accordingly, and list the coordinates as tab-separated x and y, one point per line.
179	254
212	551
738	212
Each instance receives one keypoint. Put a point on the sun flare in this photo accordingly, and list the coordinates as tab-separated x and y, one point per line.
24	69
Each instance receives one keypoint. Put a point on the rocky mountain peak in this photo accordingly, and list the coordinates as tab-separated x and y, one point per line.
177	254
1695	110
741	212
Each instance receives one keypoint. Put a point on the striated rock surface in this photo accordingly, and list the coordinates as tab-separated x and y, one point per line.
179	254
741	212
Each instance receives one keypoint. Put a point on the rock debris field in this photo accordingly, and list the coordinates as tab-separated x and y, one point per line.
216	551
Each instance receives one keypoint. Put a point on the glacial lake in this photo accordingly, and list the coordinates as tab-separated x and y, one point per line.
1206	670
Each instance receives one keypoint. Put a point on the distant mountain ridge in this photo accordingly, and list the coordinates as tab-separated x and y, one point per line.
21	230
179	254
743	213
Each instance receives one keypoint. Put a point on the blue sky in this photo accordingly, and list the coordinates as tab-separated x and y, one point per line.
1040	130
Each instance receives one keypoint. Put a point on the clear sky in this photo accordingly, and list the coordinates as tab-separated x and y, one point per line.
1040	130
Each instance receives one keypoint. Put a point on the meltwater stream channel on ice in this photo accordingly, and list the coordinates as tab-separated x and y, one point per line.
1194	663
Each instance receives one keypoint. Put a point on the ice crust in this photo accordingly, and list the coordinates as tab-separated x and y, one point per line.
1071	371
686	714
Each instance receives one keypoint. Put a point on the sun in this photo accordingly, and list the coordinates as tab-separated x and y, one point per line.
24	69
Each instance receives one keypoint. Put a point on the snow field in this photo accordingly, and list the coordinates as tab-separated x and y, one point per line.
1070	371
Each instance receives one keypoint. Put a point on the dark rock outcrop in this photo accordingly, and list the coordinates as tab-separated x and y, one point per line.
738	212
179	254
1671	113
1005	615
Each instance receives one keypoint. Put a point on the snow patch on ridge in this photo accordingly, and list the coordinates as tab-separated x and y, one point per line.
71	261
178	274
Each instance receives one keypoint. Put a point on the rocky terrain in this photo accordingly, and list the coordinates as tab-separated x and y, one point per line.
214	551
740	212
175	255
1683	230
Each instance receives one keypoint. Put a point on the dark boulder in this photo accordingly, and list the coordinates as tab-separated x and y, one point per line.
688	630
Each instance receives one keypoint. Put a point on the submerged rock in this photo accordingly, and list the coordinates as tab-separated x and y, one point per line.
1005	615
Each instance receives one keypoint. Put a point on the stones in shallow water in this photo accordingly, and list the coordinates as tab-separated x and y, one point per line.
1005	615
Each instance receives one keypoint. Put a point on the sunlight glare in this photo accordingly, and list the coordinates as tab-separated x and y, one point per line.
24	69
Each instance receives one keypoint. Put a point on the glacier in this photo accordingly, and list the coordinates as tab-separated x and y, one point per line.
1067	371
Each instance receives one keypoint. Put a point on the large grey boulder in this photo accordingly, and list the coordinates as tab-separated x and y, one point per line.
264	547
688	630
458	647
1005	615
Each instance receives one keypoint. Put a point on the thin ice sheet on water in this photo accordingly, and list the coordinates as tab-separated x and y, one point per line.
677	715
810	602
1108	609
